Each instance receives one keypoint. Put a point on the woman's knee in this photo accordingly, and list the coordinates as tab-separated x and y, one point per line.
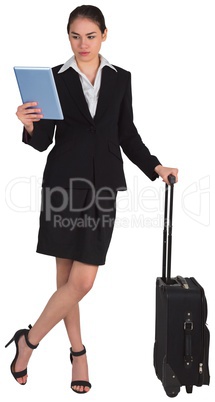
82	277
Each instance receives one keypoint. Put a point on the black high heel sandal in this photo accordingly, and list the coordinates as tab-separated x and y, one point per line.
16	338
80	383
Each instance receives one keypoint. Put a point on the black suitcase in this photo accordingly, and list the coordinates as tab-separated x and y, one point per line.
181	348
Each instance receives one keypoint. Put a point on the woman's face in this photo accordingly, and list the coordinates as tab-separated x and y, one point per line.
86	39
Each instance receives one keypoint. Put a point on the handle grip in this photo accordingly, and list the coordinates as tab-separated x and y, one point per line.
171	179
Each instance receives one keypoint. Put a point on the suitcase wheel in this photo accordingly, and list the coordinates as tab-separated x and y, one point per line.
172	394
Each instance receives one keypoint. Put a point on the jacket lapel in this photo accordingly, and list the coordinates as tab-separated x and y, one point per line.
73	83
108	85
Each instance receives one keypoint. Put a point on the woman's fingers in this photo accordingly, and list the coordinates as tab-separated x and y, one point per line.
27	112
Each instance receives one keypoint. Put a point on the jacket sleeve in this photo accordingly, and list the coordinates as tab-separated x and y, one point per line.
131	142
42	135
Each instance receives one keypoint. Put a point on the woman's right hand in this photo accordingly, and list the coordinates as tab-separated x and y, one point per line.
28	113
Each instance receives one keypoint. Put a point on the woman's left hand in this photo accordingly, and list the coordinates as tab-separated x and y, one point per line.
164	172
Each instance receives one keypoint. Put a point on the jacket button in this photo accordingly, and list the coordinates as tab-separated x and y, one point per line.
92	129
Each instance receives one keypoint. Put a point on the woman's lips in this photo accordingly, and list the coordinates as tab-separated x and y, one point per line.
84	53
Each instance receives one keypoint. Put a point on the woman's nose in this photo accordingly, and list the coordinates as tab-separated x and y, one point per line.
83	43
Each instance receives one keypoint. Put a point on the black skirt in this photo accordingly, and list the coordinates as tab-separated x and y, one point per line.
77	224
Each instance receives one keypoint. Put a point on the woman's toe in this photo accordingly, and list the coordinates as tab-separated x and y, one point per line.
76	388
22	380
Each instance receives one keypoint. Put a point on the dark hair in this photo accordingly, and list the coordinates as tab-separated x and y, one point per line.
91	12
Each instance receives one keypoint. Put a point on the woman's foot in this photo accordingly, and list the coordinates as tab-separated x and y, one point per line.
24	349
22	359
80	373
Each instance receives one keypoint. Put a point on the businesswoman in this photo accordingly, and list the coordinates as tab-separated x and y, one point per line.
83	173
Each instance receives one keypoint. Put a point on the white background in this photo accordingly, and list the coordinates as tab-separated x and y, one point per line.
168	45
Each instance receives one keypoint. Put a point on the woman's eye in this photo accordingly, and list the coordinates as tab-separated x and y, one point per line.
78	37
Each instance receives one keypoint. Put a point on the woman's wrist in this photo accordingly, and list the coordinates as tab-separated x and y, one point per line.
158	168
29	129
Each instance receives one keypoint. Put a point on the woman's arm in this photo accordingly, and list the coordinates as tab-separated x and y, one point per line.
133	146
130	140
37	133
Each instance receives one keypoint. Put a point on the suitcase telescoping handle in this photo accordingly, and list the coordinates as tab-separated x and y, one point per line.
167	231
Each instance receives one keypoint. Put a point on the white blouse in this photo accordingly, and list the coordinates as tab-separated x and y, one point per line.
91	91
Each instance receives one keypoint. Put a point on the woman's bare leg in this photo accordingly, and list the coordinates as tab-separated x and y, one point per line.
72	323
80	281
72	320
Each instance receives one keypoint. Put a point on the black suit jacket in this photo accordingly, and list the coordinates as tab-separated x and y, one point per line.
87	150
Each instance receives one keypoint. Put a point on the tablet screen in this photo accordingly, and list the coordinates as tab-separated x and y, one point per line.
37	84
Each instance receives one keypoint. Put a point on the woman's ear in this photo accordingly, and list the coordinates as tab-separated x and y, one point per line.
104	35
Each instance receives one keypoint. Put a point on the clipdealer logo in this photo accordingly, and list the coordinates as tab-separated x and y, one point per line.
23	194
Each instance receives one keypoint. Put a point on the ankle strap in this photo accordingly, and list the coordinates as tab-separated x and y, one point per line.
27	341
76	354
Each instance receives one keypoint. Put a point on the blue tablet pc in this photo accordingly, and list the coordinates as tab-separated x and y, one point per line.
37	84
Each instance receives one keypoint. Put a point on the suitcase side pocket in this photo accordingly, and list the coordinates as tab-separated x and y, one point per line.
204	375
